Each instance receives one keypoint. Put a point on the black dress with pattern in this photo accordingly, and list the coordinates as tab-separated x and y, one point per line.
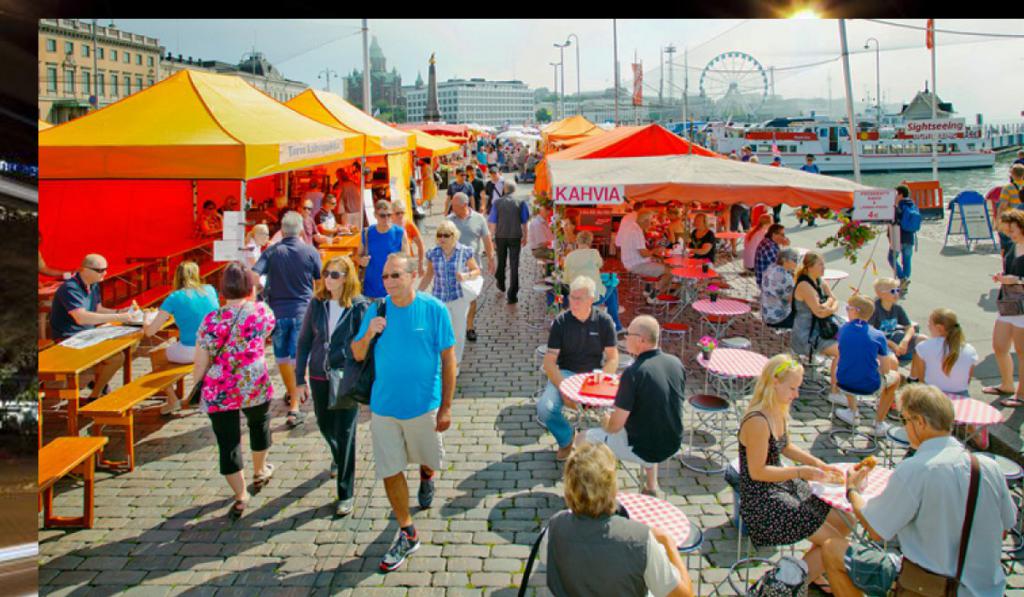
778	513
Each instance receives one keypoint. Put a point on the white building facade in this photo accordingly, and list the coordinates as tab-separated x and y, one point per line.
491	103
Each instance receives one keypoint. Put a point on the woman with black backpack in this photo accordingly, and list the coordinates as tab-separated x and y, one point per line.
330	323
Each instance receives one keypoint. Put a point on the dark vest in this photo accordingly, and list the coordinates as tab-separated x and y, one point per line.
596	556
509	218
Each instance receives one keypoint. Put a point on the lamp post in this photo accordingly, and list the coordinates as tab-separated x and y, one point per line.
561	65
579	94
878	81
555	87
326	75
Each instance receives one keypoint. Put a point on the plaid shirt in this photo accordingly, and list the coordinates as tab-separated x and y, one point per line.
767	253
446	286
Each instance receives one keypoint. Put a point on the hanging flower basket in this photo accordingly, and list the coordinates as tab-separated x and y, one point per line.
852	235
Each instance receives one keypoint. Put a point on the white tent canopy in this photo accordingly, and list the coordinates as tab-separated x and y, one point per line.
705	179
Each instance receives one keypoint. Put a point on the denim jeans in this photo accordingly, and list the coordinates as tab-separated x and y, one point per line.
611	301
906	253
549	412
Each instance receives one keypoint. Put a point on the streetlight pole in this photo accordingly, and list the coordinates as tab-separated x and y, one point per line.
878	81
851	123
555	87
366	69
615	50
579	94
561	65
326	75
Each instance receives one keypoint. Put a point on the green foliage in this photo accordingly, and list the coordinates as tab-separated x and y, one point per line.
542	115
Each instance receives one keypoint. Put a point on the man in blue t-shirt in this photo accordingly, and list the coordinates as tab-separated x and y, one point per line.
413	388
900	261
290	266
864	362
809	166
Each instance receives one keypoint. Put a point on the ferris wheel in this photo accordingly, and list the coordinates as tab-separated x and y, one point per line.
734	84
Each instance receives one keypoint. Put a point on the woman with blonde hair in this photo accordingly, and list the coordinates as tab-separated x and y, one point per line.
188	303
330	324
815	307
449	264
255	241
946	360
587	261
593	551
776	502
1009	329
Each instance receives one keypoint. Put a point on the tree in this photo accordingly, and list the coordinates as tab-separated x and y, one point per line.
542	115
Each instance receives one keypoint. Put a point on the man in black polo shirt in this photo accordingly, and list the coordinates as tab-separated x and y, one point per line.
478	188
76	308
580	337
647	424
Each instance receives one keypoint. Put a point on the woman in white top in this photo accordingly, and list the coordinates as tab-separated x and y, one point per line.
946	360
255	242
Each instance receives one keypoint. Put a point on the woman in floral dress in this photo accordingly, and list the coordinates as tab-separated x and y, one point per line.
229	352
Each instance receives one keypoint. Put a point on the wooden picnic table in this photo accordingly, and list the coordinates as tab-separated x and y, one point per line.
341	245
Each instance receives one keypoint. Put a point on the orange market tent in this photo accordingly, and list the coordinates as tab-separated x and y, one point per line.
456	133
430	146
568	129
622	142
701	178
43	125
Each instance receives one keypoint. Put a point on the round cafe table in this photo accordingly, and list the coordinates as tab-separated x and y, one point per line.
973	413
570	388
684	261
655	512
835	495
834	276
730	236
731	371
720	314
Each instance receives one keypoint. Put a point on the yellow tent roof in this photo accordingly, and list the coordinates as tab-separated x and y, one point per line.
428	146
43	125
192	125
334	111
573	127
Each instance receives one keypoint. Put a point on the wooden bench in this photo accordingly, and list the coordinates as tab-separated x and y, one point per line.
57	459
116	408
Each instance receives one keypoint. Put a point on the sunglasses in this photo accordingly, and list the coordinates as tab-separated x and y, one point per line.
98	270
443	235
384	214
335	275
394	276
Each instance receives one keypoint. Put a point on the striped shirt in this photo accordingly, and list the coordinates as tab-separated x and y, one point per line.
1010	196
446	286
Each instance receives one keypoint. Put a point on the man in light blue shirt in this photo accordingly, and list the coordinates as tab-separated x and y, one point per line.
411	400
924	505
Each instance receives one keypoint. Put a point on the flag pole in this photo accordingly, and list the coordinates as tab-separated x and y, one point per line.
935	99
852	125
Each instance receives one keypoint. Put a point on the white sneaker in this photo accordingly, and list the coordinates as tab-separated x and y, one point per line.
882	428
837	398
849	417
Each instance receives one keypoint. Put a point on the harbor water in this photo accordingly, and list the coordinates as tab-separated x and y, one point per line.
952	181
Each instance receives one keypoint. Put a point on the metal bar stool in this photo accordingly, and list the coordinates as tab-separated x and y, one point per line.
710	410
895	436
676	332
692	546
1014	475
850	440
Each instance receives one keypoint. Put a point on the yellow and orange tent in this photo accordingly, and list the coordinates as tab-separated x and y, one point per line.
43	125
333	110
430	146
558	134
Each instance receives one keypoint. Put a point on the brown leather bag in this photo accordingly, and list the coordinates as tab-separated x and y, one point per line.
915	581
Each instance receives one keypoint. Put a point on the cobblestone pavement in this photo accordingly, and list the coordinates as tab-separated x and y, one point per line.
161	529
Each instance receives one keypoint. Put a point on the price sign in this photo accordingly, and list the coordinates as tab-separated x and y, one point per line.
874	205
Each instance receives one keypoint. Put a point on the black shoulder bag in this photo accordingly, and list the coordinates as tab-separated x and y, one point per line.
335	399
357	379
196	393
827	326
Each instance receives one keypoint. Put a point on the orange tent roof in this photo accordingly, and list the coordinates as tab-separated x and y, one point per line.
622	142
333	110
569	128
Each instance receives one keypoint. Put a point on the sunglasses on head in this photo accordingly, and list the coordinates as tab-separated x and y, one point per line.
393	276
335	275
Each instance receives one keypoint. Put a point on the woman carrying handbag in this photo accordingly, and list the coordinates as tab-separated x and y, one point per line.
331	321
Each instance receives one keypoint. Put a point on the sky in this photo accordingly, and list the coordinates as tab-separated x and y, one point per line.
970	70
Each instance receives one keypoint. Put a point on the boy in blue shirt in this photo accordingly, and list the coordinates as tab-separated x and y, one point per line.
864	362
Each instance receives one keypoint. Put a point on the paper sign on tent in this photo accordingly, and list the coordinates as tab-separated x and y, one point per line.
874	205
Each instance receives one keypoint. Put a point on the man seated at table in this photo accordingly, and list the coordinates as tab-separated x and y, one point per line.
579	338
768	251
647	424
924	505
76	308
539	235
864	362
636	257
326	223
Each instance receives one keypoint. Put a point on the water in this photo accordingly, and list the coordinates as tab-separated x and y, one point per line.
953	181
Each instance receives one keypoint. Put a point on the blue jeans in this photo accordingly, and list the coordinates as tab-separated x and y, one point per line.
549	411
906	253
286	339
611	301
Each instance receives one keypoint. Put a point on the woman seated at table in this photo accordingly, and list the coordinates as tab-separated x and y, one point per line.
776	503
777	290
753	238
593	551
812	303
702	241
676	226
210	222
188	303
586	261
945	360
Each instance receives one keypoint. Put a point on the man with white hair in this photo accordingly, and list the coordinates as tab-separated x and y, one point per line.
290	267
636	257
580	338
647	424
474	233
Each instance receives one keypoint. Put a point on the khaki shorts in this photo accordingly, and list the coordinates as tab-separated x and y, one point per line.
649	268
398	442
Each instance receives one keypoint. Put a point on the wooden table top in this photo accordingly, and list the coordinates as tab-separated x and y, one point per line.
62	360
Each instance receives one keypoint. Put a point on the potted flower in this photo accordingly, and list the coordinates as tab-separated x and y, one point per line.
713	292
706	345
852	235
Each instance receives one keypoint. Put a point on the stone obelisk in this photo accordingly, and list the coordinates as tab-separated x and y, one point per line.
432	114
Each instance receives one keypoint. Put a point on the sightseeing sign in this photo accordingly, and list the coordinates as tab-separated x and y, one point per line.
589	194
874	205
935	129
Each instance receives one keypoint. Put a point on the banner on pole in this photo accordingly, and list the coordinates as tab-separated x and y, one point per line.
929	36
874	205
638	81
589	194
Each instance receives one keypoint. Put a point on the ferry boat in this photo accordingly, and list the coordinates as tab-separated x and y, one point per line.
894	149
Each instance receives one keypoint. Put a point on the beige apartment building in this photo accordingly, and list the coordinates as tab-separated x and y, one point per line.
75	65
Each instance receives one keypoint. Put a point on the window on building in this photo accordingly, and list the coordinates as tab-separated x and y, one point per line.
99	53
138	59
127	58
127	85
51	45
69	48
113	55
113	85
149	82
101	90
85	51
138	83
86	82
69	82
149	62
51	79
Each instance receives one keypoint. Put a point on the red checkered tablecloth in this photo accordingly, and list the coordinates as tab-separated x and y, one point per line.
694	273
734	362
685	262
968	411
726	307
835	495
570	388
655	512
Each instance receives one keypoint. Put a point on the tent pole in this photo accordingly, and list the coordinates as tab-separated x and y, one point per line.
195	201
362	186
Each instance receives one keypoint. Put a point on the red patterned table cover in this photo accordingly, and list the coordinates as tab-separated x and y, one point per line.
570	388
694	273
734	362
729	235
721	307
835	495
655	512
684	262
968	411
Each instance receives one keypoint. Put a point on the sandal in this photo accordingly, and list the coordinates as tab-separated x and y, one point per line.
260	481
237	509
995	391
294	419
1011	402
